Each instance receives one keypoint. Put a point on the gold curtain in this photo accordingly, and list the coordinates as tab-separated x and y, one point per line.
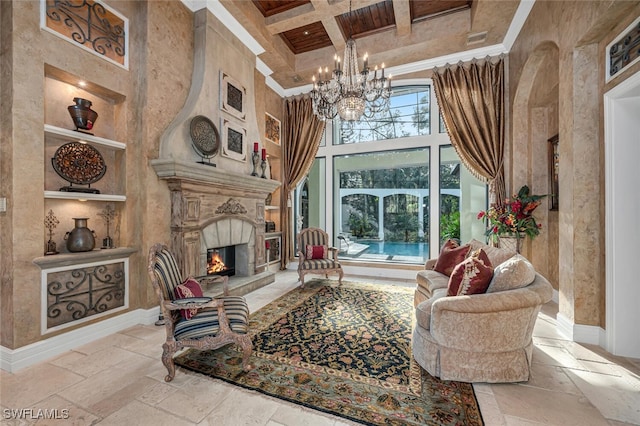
471	99
302	133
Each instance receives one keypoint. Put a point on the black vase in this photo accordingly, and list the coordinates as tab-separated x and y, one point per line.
82	115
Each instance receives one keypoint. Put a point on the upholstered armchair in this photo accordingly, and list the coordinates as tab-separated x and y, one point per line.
192	320
482	337
316	256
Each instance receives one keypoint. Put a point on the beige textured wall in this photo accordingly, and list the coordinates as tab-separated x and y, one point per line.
147	98
562	43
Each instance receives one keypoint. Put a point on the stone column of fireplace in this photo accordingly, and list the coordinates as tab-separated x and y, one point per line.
201	196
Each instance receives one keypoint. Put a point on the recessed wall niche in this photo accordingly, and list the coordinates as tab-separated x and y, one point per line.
59	129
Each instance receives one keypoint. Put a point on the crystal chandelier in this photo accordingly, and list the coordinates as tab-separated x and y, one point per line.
350	93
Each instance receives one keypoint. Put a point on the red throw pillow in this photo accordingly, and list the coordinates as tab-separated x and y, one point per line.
189	288
450	255
316	252
472	276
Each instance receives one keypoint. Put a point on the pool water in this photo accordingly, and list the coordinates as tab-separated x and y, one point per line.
397	248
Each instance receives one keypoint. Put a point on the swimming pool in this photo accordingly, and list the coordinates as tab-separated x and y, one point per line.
396	248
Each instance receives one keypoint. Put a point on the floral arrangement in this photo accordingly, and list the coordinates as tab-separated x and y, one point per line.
513	218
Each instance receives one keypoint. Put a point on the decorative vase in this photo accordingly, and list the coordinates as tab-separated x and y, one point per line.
82	115
80	238
511	242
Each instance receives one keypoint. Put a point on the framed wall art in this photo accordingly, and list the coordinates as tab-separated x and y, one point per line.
234	140
554	166
233	97
272	128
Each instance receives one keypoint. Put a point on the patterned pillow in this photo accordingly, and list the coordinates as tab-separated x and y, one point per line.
496	255
471	276
189	288
450	255
513	273
316	252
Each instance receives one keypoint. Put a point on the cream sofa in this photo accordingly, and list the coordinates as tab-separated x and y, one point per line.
481	337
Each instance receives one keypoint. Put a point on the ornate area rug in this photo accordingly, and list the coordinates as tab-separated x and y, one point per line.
344	350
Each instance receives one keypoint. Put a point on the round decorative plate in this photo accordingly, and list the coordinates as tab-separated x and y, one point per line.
204	136
79	163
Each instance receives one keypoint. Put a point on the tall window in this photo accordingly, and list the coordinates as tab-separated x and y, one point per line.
373	181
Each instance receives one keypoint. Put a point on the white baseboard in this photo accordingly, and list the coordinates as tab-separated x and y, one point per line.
12	360
589	334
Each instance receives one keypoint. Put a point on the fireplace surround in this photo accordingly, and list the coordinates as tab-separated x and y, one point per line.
210	208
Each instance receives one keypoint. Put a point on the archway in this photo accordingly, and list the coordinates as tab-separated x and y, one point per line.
535	121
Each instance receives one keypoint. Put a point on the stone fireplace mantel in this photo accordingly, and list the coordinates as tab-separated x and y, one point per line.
171	169
210	206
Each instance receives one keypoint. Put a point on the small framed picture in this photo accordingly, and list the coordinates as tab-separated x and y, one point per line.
272	128
233	97
234	140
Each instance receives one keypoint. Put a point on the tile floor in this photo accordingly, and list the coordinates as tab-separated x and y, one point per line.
118	380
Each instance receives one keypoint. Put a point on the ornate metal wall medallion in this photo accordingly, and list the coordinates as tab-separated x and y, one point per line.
205	138
79	163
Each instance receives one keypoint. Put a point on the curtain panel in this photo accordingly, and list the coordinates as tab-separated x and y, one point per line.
471	99
302	133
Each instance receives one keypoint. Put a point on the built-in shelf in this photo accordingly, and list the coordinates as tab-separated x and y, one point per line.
273	252
58	135
74	259
62	195
65	135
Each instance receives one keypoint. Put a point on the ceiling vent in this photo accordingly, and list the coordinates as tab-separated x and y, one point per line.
476	38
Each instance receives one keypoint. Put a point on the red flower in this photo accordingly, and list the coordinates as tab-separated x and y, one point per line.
514	216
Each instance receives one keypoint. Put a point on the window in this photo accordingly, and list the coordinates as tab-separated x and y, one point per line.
409	114
372	181
379	204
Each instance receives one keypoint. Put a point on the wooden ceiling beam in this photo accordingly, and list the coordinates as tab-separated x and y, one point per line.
317	10
402	12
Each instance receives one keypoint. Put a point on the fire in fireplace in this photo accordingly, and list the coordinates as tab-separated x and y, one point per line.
221	261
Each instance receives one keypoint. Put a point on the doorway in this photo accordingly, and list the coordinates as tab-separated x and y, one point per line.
622	152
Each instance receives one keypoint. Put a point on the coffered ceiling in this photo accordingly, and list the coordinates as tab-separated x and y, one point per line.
299	36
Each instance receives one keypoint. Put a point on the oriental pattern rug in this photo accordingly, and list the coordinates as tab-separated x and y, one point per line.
343	350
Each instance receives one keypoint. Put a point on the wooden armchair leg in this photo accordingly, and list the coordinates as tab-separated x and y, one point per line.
247	347
167	360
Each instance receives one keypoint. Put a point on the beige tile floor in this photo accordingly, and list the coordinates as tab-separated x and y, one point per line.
118	380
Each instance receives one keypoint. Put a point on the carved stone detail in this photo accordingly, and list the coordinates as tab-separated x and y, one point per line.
231	206
192	209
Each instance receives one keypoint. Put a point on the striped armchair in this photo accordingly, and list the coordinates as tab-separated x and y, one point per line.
313	255
215	322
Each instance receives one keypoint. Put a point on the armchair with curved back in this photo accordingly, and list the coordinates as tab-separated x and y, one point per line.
216	322
317	261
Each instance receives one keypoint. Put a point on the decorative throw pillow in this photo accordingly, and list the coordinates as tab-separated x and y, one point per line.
450	255
189	288
496	255
471	276
513	273
316	252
